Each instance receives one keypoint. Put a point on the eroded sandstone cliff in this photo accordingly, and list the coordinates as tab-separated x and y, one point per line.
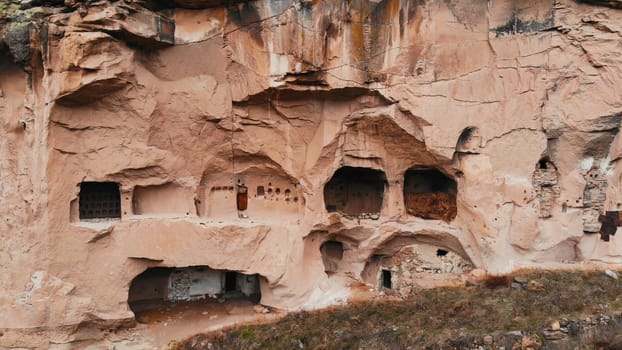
305	146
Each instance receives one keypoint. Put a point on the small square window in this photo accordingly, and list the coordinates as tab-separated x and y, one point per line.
100	200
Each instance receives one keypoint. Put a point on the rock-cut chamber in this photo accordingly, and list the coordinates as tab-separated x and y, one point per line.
430	194
355	191
159	288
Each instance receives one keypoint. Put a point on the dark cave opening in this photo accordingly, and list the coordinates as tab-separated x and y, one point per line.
355	191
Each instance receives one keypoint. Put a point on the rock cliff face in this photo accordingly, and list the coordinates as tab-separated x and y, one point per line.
312	145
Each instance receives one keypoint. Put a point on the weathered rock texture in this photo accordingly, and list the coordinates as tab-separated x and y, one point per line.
181	103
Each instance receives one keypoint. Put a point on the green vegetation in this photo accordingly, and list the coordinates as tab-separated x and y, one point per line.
439	318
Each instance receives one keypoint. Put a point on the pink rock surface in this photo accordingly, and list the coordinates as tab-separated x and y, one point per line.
517	103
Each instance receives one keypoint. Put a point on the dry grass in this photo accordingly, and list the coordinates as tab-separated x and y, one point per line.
434	318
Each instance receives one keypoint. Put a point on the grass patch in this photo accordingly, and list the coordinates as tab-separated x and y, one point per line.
432	317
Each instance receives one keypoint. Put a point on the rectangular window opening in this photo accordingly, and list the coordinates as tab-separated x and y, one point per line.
386	279
99	200
231	281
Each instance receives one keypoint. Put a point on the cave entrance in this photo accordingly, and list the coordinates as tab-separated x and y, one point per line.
430	194
231	281
160	290
355	191
385	279
332	254
99	200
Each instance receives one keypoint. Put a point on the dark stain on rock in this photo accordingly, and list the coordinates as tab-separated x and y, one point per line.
412	8
326	27
331	31
379	20
306	7
43	38
468	12
18	41
246	16
599	143
515	25
617	4
379	12
328	30
402	22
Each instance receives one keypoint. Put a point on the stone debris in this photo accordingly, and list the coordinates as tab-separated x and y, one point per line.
535	285
260	309
611	274
517	285
555	326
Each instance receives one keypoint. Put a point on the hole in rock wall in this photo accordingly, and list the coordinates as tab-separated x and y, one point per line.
594	196
332	254
386	279
411	264
99	200
160	288
168	198
430	194
231	281
355	192
545	184
543	164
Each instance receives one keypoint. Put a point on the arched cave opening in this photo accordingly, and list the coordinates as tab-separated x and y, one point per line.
163	289
332	254
430	194
403	264
355	191
99	200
